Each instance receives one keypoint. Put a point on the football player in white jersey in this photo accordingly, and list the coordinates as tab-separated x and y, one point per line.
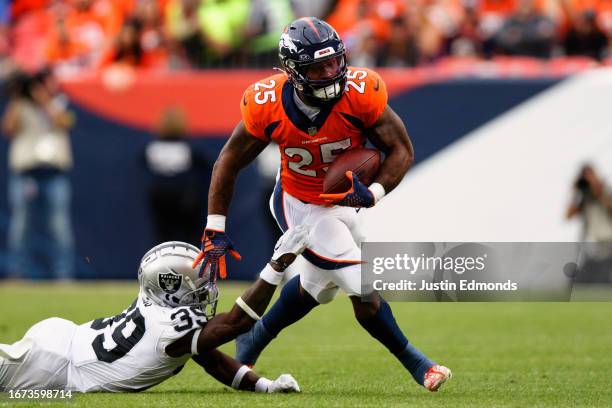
170	322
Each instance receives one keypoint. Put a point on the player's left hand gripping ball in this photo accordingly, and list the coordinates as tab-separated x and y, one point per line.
359	195
215	245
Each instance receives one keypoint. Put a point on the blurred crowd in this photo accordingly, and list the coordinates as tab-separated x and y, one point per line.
73	35
38	124
400	33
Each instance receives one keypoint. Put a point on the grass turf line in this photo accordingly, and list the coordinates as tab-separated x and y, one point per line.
502	354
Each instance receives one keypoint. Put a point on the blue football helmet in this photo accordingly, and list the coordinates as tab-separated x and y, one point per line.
314	58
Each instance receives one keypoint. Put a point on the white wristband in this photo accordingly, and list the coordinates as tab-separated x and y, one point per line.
215	222
378	191
271	276
239	376
194	341
262	385
247	309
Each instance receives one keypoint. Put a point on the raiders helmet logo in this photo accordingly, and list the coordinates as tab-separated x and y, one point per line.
170	282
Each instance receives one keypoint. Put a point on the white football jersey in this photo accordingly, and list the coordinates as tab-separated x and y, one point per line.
127	352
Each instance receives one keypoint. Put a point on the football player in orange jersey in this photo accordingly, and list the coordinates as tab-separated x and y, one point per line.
317	108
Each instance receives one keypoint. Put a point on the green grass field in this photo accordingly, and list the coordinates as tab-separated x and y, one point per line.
502	354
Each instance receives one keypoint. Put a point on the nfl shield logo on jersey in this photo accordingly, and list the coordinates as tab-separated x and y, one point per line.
170	282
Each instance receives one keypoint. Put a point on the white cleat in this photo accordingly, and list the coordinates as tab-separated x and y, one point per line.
436	376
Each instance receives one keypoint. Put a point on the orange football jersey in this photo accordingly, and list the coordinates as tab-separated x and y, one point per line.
308	147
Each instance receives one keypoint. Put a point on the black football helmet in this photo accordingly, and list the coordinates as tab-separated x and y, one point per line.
314	58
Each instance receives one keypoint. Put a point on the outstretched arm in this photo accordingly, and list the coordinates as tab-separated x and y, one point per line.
248	307
230	372
390	136
202	343
225	327
240	150
224	368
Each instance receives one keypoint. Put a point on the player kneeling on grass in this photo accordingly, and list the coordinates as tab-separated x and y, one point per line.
172	320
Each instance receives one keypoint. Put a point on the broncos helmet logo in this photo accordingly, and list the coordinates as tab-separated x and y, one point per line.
287	42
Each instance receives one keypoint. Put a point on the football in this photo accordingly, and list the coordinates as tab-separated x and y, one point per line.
363	162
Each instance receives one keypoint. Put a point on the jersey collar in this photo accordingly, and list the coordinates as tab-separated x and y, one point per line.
298	118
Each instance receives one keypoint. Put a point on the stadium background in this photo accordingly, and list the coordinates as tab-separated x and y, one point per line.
455	73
